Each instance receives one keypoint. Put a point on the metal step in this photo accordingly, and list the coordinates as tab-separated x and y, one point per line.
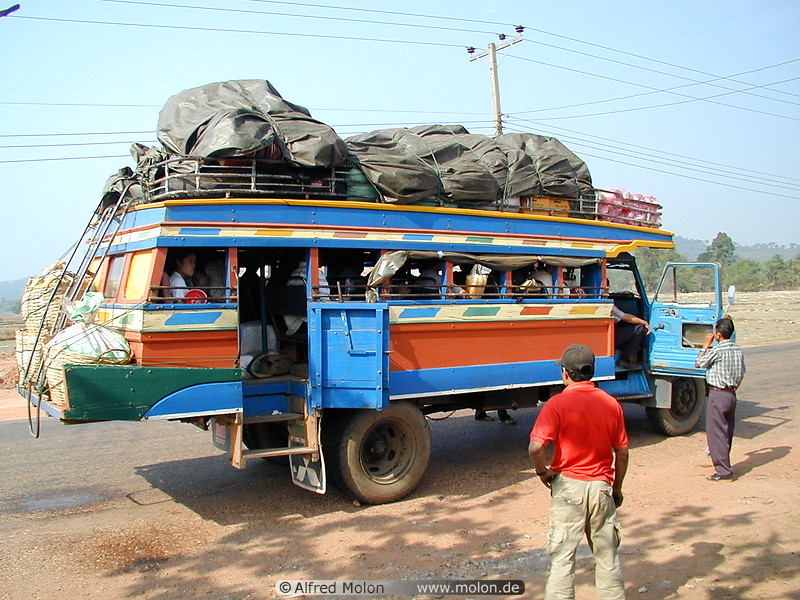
288	416
633	397
278	452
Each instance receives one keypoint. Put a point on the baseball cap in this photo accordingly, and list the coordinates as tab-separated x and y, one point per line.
577	358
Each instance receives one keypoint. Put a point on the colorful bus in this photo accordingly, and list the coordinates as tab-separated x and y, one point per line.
326	328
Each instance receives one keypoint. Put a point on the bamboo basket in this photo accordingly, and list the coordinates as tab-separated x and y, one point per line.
28	354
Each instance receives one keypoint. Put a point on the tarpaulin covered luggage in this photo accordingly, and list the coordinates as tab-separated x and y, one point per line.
240	118
452	165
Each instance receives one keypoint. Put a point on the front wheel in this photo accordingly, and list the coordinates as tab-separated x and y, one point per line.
688	401
378	456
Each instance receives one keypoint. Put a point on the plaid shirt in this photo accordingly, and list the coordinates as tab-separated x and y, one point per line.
724	363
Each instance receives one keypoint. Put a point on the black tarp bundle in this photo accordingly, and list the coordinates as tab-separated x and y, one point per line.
452	165
240	118
441	164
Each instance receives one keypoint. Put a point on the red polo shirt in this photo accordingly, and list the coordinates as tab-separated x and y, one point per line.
585	425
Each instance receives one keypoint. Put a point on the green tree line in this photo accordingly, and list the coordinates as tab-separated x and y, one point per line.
747	275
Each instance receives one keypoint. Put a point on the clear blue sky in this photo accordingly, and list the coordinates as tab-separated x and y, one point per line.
694	102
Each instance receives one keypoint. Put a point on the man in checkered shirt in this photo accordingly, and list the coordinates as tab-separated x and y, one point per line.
724	364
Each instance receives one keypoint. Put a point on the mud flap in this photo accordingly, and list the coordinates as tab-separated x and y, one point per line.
308	470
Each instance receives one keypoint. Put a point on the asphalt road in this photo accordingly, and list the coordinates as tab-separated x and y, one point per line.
80	478
70	466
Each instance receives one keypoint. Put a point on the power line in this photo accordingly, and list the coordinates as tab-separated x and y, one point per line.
653	150
676	88
27	160
13	135
682	175
384	12
64	145
691	98
248	31
694	81
80	104
541	31
318	17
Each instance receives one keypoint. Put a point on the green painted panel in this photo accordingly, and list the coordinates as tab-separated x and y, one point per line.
126	392
482	311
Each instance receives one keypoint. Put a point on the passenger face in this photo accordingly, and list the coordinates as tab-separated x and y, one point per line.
186	266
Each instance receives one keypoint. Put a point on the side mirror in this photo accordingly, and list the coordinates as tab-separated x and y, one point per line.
732	295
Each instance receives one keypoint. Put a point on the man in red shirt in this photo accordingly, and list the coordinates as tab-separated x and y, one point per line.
590	459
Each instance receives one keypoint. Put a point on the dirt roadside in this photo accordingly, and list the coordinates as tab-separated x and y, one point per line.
473	517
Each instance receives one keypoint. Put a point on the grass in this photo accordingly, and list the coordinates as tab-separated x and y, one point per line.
8	325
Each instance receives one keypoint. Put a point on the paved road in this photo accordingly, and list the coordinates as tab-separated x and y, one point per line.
164	486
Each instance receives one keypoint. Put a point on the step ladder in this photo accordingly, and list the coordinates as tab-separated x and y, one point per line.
97	236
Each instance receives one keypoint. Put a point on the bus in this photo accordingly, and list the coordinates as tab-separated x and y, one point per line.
321	327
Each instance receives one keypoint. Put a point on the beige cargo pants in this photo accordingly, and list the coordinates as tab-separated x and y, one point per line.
581	508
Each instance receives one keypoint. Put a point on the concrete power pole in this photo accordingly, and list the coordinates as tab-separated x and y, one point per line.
495	81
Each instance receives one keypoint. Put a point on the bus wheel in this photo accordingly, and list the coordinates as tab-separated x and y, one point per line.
378	456
688	401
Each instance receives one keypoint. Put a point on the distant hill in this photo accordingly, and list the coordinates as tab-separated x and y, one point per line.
691	249
11	294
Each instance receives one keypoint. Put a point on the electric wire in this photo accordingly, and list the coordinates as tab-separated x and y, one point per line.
278	14
684	176
614	79
567	134
659	91
247	31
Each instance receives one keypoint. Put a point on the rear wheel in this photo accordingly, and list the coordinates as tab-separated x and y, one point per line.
688	401
377	456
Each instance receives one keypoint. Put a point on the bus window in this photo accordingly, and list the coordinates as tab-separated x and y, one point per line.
139	274
111	288
197	272
427	281
537	280
347	271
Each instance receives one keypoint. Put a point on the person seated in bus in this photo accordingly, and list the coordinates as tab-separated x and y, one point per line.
347	283
543	274
526	284
298	277
211	278
164	285
183	265
427	285
630	332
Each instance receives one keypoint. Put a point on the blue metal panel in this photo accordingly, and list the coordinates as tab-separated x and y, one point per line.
196	400
636	383
482	377
330	214
348	355
266	396
669	353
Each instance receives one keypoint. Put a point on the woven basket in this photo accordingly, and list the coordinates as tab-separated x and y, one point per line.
37	308
58	358
26	351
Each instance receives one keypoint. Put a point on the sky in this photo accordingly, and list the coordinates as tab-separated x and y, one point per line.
694	102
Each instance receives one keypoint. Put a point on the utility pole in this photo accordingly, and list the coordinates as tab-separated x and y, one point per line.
491	52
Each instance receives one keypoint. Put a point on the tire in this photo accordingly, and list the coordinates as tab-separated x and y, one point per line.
688	402
377	456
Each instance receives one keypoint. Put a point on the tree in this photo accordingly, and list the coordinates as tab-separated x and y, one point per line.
721	250
745	275
651	263
776	275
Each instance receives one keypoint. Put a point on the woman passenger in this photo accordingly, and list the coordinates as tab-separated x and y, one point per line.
181	277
